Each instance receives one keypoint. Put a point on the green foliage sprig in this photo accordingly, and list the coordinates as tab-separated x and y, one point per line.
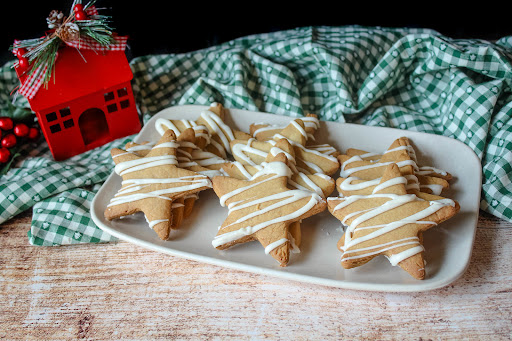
41	53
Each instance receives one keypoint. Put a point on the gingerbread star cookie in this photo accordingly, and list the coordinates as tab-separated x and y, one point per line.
320	159
422	170
152	183
263	208
318	183
265	131
389	222
182	207
357	166
210	127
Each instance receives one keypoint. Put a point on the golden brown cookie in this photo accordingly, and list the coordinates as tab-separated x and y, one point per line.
309	161
389	222
263	208
318	183
265	131
419	170
358	165
210	128
152	183
182	207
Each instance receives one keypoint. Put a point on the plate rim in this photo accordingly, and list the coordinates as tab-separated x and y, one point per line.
421	286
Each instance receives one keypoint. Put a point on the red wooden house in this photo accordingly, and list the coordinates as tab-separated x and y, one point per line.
87	103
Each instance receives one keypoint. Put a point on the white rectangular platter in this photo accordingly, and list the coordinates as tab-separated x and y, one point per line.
448	246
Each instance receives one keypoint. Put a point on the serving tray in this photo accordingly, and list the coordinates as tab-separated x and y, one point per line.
448	246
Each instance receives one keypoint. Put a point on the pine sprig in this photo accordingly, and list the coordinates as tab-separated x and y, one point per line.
42	52
97	29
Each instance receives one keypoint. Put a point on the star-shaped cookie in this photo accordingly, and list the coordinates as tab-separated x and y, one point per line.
151	184
402	143
263	207
187	148
319	159
389	222
358	166
213	133
265	131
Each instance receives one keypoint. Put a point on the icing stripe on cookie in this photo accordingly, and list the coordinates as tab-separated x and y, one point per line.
351	243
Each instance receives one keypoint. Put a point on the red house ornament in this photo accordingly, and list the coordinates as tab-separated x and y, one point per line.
89	100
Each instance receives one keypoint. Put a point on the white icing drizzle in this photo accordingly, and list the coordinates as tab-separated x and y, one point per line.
347	185
275	170
412	182
435	188
184	158
275	244
284	198
226	196
420	170
274	167
191	196
275	150
143	163
427	170
299	129
152	223
345	173
394	201
398	257
240	149
131	188
293	244
410	150
219	148
310	183
129	191
323	148
206	159
162	124
366	155
313	166
220	128
307	150
309	122
267	128
243	170
389	183
210	173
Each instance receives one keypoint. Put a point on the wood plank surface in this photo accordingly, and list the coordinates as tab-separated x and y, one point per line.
122	291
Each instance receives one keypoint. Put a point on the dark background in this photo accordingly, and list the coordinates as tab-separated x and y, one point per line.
175	27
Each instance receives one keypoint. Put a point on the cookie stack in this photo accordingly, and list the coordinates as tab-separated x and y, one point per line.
275	176
386	201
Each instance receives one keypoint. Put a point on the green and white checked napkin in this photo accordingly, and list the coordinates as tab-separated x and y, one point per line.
413	79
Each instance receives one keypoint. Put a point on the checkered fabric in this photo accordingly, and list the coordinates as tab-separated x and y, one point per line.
414	79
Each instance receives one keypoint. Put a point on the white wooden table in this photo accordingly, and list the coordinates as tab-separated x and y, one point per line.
122	291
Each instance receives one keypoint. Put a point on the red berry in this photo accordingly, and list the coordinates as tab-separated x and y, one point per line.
78	8
33	133
21	129
5	154
6	123
9	141
80	15
23	63
20	52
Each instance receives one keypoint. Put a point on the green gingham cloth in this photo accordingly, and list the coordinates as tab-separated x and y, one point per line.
414	79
